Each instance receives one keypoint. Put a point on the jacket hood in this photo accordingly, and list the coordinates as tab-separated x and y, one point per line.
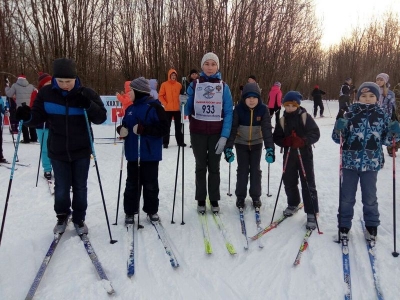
22	81
127	87
169	75
153	83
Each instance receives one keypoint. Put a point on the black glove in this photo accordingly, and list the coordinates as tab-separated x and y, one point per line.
23	113
84	100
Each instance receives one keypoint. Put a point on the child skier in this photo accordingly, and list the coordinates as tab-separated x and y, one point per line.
250	128
210	108
297	131
364	129
145	121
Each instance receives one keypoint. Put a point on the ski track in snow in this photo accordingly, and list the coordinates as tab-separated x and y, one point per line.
266	273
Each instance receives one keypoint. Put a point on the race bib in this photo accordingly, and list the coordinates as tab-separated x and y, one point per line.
208	101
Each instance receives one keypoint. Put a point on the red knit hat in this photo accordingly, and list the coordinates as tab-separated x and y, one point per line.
43	78
316	86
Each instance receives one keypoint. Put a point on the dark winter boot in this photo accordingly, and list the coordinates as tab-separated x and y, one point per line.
372	232
257	203
344	233
61	223
153	217
129	219
214	207
201	207
311	222
81	227
289	211
239	203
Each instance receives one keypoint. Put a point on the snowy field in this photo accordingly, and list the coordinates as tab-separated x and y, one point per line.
266	273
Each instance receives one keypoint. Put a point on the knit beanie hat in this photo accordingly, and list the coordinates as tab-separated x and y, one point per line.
277	83
253	77
193	71
251	90
292	96
212	56
64	68
42	79
316	86
141	84
384	76
368	87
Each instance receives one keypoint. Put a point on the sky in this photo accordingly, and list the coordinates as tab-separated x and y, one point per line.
339	17
253	274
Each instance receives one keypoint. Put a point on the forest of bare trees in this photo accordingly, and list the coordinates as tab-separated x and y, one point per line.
116	40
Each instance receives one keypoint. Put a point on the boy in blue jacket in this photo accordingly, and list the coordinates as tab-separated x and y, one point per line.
145	122
364	129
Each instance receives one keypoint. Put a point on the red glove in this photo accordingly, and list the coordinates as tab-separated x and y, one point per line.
287	141
297	142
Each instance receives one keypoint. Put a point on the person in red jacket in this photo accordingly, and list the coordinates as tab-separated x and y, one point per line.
169	97
274	101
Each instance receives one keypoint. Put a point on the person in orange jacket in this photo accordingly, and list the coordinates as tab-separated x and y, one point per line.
169	97
124	98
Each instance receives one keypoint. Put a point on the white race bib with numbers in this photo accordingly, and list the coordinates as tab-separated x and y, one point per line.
208	101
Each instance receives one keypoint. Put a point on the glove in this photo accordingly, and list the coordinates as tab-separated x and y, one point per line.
270	155
138	129
23	113
219	147
394	128
229	155
122	131
298	142
85	101
341	124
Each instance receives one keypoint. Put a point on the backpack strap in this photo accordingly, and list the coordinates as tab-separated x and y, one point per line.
303	118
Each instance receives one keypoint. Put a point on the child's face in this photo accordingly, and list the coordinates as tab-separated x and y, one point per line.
251	80
368	98
379	81
132	95
209	67
66	84
251	102
173	76
289	108
194	76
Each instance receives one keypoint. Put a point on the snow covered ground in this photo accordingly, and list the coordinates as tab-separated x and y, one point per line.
266	273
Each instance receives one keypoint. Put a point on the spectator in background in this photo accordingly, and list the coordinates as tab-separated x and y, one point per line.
4	112
123	97
42	129
317	97
22	91
153	88
274	101
346	92
169	97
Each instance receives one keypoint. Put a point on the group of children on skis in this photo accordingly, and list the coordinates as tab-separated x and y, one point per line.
215	128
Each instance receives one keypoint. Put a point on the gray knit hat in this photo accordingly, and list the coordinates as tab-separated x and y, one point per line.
251	90
140	84
212	56
368	87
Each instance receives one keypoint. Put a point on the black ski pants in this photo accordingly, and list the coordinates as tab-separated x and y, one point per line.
178	127
318	103
146	177
291	180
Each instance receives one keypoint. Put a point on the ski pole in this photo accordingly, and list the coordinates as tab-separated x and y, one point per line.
40	155
268	194
308	188
340	184
394	253
119	184
11	179
98	175
328	108
138	214
280	184
176	182
229	182
183	160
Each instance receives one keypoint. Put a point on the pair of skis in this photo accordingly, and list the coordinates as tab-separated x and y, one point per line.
162	235
90	251
206	235
372	259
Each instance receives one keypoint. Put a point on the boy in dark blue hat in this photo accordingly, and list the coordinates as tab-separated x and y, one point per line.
297	130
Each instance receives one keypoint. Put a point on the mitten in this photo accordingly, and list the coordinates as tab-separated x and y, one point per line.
287	141
229	155
394	128
219	147
270	155
297	142
84	101
341	124
138	129
122	131
23	113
